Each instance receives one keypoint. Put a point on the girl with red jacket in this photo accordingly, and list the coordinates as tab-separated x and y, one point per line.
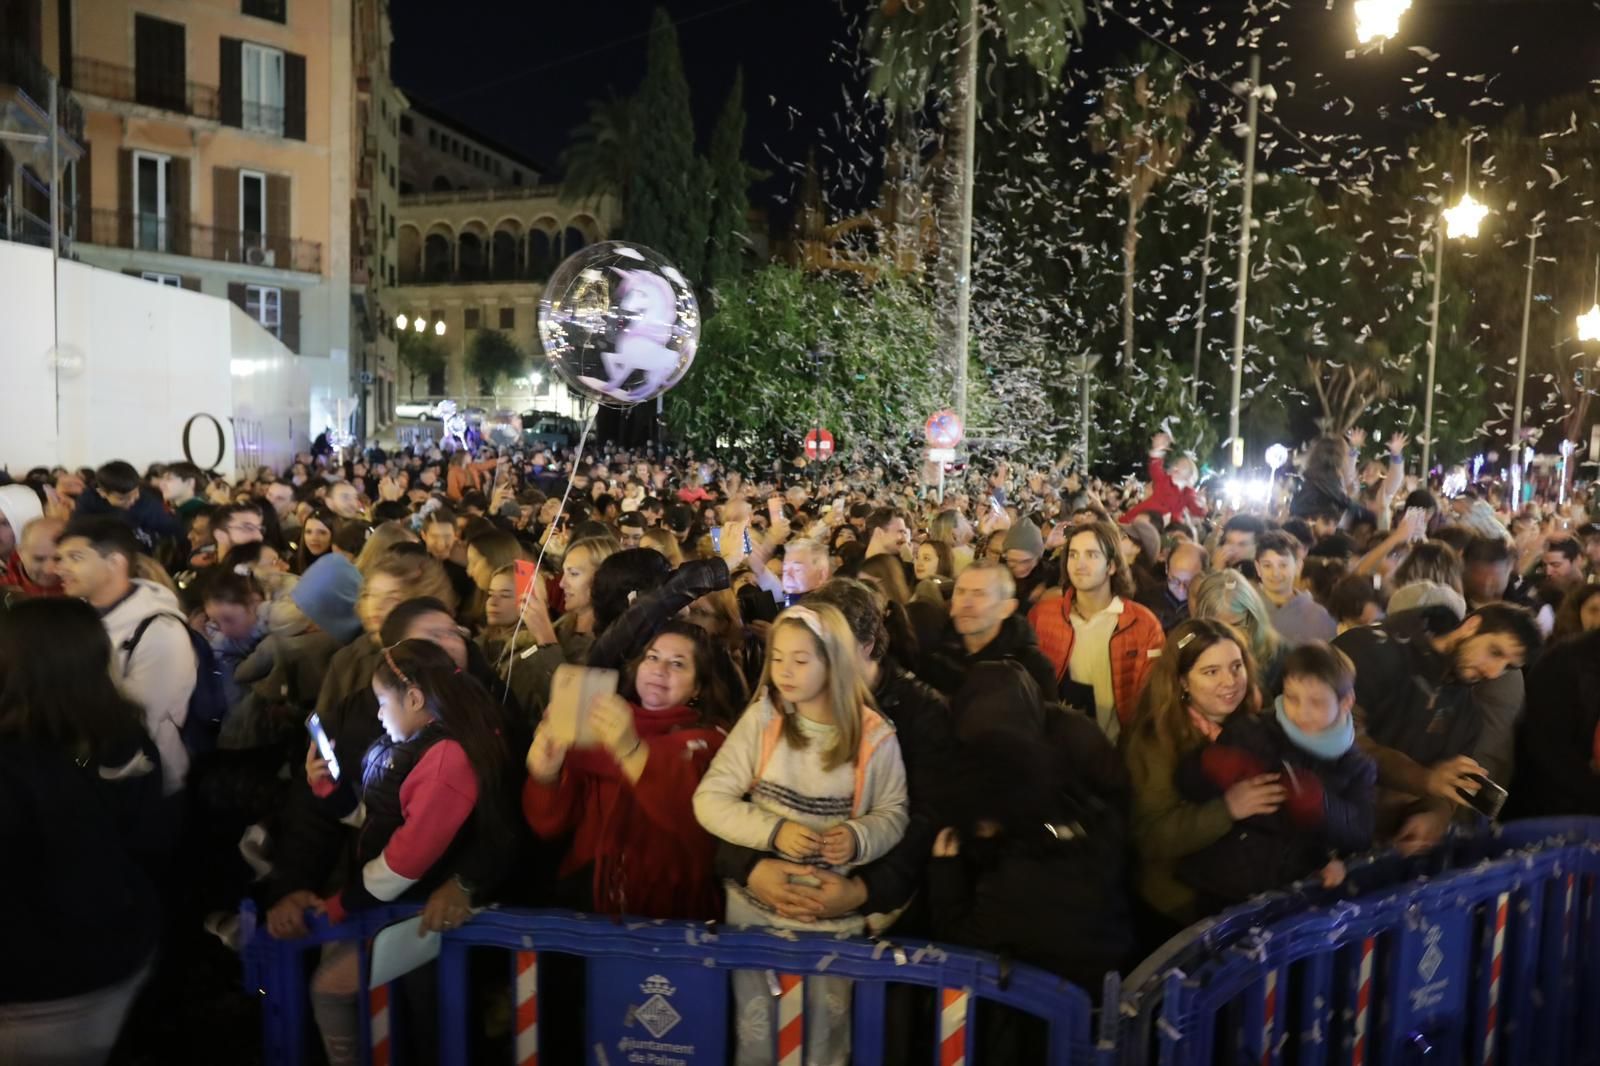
629	801
415	796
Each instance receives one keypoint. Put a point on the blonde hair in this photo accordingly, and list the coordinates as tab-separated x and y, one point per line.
1230	592
599	549
846	687
379	541
664	542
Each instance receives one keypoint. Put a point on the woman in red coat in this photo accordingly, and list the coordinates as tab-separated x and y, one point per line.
628	801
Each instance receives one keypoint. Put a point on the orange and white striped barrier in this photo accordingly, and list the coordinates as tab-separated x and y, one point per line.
953	1026
1269	1015
378	1019
527	1038
791	1019
1358	1050
1491	1017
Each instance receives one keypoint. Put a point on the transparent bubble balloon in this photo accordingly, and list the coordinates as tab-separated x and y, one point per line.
619	323
503	428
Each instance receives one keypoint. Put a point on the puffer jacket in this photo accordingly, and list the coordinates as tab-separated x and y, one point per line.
1136	644
1330	810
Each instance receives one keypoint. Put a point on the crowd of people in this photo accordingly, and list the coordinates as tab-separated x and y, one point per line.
1040	716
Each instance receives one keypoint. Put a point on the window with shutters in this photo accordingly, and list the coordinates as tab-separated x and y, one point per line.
275	10
261	88
252	205
508	318
175	280
152	226
265	304
158	63
473	315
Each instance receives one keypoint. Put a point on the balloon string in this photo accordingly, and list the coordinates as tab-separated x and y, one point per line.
511	645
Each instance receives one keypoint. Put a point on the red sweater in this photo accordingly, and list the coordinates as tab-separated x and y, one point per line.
650	856
1166	498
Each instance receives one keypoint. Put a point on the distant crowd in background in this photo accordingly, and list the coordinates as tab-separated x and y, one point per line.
1044	716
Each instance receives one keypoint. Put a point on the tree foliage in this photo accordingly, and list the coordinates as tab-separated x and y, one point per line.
668	205
422	355
790	350
730	180
492	355
598	162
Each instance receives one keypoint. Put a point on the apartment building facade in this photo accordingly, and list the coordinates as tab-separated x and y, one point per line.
219	151
379	106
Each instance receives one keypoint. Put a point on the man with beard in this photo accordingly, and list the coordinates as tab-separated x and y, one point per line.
1437	701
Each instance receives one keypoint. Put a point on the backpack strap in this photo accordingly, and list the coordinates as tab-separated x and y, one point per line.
770	736
875	729
132	642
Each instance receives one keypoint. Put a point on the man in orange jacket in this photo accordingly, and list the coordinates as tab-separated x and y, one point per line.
1101	643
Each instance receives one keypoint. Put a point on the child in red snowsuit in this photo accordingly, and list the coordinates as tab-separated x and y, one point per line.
1171	494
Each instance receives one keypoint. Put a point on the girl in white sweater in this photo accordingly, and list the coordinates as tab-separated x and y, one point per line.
811	772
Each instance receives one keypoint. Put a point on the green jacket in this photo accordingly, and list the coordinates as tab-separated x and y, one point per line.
1167	827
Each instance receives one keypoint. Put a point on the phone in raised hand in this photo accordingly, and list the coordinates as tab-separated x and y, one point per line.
324	745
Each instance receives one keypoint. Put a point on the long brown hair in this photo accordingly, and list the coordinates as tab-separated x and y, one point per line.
1109	539
1163	713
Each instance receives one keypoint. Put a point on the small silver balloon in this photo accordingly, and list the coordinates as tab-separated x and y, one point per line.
619	323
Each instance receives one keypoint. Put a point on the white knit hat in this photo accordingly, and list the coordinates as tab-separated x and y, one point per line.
19	505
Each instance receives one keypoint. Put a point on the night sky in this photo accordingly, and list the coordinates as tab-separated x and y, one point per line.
523	76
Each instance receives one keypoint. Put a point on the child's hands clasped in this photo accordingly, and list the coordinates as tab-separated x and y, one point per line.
839	845
797	842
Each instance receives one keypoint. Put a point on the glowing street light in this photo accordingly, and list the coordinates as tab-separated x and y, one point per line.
438	327
419	325
1378	20
400	321
1463	220
1589	324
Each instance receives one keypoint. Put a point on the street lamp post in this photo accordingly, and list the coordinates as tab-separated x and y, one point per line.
1200	315
1522	376
1251	109
1461	222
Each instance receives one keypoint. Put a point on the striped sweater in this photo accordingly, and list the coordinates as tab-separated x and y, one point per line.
732	803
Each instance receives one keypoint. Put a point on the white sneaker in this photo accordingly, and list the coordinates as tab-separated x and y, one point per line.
253	847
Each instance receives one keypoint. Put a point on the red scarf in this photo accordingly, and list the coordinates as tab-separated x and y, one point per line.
598	762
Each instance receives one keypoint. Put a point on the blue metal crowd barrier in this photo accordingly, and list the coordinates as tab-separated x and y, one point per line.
1465	954
658	992
1478	965
1129	1035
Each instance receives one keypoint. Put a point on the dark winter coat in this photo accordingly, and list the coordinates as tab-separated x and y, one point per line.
1330	810
1051	889
945	665
1556	743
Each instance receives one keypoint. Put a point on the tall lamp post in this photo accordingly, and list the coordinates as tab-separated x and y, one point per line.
1460	222
1253	87
1522	376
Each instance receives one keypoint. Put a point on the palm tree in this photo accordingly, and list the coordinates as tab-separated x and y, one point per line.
599	161
1143	125
917	44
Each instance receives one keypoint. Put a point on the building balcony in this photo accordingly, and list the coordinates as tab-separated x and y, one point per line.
150	88
25	97
144	232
